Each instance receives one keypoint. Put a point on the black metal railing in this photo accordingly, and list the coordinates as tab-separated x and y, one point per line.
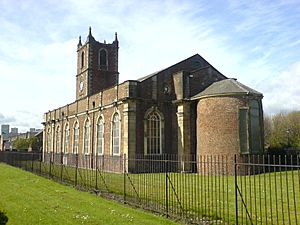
272	194
228	189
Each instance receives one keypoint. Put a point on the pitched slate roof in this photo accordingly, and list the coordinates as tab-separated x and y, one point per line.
226	87
192	63
150	75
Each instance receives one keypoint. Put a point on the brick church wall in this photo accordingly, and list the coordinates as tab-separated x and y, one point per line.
218	125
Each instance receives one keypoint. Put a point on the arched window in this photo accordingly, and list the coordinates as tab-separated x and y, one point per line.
116	134
100	136
82	59
76	137
153	133
66	139
58	140
49	140
102	59
87	137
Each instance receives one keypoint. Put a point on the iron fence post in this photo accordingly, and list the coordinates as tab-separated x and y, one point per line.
76	169
50	165
124	177
236	191
41	158
61	167
61	164
96	184
167	200
32	159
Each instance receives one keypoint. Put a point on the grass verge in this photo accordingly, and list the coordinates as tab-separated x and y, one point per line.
30	199
264	198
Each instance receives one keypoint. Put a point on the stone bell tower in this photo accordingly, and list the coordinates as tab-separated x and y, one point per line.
97	66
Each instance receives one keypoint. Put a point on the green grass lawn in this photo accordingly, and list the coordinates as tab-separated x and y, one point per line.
30	199
266	198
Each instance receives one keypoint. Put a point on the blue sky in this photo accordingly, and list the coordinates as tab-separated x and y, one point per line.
257	42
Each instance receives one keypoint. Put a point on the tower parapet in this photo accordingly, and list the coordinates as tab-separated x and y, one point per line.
97	66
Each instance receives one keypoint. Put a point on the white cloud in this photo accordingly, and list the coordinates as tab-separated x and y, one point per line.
282	91
6	119
41	80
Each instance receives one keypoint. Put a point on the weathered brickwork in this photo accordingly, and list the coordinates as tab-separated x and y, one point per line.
218	132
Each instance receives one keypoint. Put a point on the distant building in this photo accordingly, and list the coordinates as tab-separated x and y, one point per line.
39	144
5	131
4	137
189	108
35	130
14	130
7	138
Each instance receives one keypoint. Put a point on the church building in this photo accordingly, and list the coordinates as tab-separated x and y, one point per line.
189	108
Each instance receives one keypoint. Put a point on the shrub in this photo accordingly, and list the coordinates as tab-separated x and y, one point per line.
3	218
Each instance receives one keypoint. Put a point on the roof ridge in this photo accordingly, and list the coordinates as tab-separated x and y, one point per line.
239	85
229	86
182	61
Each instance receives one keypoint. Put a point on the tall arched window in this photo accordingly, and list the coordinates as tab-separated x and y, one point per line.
102	59
66	139
100	136
58	140
153	133
116	134
82	59
49	140
76	137
87	137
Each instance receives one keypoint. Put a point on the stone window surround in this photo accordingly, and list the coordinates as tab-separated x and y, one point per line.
49	140
100	118
76	137
82	59
161	129
99	58
119	134
66	138
87	136
57	137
